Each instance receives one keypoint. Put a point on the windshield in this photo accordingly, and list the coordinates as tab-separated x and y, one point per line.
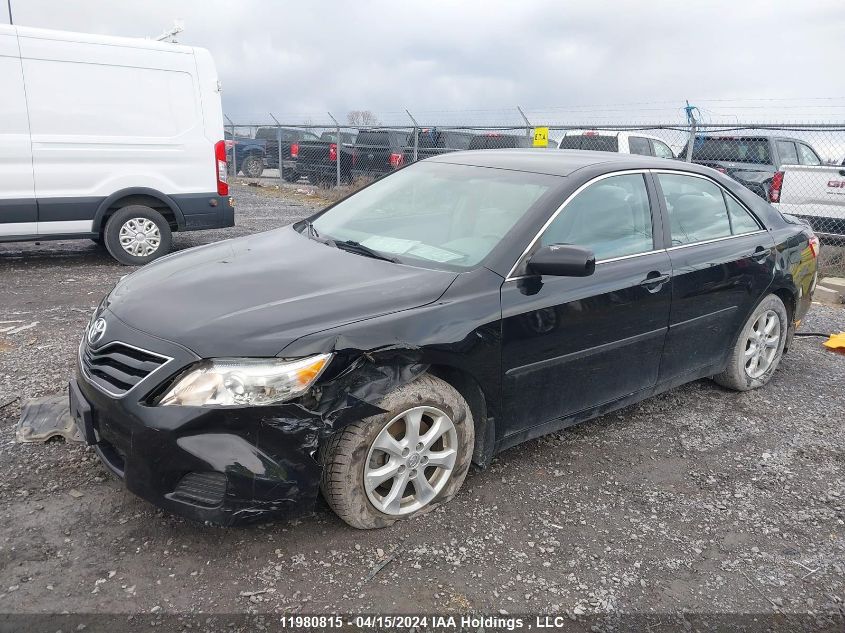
438	214
732	150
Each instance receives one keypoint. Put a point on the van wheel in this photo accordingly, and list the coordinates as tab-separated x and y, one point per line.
252	167
136	235
758	348
401	463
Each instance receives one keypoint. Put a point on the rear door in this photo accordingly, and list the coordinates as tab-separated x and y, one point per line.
573	343
18	211
372	151
722	262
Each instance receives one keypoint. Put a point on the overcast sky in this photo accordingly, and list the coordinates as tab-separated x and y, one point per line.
561	60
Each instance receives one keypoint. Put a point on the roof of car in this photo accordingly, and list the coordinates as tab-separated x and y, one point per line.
555	162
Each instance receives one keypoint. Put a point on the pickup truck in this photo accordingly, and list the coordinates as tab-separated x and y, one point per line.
272	137
814	193
246	154
378	152
750	160
433	142
317	159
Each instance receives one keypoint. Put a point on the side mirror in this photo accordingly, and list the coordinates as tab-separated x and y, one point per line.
563	260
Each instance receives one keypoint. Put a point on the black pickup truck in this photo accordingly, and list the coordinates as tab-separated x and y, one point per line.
433	142
317	158
750	160
378	152
272	137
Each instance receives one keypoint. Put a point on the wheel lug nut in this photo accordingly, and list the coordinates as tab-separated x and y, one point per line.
406	452
424	460
402	468
413	473
419	446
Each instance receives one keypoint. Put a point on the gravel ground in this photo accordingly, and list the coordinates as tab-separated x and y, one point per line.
699	500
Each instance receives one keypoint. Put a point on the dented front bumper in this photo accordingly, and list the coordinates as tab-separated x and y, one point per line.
225	466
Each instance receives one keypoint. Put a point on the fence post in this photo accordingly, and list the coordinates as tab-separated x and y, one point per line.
527	123
279	146
692	126
234	149
416	134
339	146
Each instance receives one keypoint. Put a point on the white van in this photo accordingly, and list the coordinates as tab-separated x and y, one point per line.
117	140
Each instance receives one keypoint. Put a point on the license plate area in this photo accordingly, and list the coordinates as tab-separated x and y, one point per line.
82	414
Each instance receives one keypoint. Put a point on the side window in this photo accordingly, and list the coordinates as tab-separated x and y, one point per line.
807	155
661	150
788	156
611	216
696	207
741	220
639	145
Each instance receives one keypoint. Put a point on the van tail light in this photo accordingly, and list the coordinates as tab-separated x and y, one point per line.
294	150
775	186
397	159
222	168
813	245
333	152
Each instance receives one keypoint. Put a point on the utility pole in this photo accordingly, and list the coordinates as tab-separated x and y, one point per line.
279	147
9	4
527	123
416	134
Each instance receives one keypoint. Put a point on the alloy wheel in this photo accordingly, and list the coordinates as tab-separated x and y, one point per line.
762	344
410	460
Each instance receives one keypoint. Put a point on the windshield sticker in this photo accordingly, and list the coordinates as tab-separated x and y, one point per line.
389	244
434	254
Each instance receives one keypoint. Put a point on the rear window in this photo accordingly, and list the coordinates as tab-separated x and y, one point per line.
732	150
428	139
373	139
495	141
592	142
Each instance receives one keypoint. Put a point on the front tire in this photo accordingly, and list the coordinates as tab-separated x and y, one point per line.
136	235
758	348
401	463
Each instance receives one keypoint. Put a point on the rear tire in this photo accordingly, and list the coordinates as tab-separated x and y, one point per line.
136	235
758	348
252	166
428	472
290	175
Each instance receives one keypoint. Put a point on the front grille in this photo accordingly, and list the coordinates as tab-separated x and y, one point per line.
205	489
118	367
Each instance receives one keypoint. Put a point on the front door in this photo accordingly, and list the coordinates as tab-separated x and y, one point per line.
18	211
570	344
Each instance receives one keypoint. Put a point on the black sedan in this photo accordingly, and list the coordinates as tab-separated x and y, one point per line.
449	311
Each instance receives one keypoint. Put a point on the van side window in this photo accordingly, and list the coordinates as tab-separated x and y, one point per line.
639	145
696	207
611	216
807	155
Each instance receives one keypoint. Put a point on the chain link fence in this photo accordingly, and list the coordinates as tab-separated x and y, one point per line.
800	168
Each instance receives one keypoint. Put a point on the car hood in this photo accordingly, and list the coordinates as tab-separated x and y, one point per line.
252	296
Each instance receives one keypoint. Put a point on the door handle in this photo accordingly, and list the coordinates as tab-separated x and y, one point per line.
654	280
760	254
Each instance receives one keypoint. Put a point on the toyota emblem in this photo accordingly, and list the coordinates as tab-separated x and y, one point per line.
96	331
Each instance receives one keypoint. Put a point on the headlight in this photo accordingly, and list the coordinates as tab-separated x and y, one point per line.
225	382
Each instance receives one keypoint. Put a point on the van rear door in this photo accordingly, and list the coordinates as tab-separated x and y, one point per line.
18	211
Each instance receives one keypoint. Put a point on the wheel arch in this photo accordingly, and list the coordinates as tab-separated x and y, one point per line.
479	405
139	195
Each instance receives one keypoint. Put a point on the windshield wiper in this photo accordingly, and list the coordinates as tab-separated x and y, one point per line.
356	247
311	230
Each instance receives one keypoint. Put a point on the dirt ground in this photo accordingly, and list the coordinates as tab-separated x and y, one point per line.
700	500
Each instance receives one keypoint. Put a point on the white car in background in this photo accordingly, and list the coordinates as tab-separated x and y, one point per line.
616	141
814	193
